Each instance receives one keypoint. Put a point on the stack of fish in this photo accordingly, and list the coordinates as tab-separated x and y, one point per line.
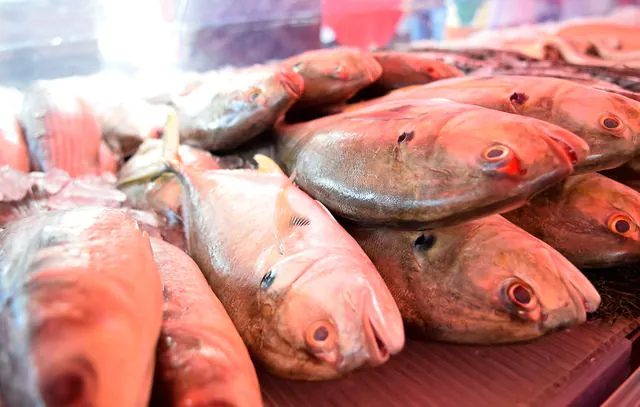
352	195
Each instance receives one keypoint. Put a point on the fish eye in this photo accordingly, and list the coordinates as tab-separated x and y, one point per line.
268	279
297	67
255	94
496	153
521	295
610	122
73	386
424	243
321	335
621	224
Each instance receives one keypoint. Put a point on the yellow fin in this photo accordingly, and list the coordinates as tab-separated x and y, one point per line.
266	164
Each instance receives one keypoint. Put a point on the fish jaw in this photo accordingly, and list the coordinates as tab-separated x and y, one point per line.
584	296
291	81
351	297
576	149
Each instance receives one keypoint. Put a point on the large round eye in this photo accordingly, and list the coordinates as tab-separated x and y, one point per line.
611	122
297	67
622	225
521	295
321	335
496	153
73	386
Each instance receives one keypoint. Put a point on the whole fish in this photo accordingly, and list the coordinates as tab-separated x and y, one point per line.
609	123
426	163
304	297
81	310
483	282
201	359
231	107
62	131
333	76
400	69
592	220
13	147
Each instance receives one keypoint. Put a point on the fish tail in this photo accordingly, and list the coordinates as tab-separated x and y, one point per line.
169	161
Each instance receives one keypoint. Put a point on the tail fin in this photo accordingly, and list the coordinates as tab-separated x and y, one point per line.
169	155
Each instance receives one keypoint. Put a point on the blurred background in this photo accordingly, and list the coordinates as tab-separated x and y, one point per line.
41	39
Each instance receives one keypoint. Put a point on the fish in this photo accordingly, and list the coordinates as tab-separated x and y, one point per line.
332	76
590	219
230	107
201	359
304	297
13	147
81	310
62	131
400	69
628	174
425	163
481	282
609	123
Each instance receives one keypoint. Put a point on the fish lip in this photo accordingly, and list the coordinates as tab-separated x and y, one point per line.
376	343
572	154
292	82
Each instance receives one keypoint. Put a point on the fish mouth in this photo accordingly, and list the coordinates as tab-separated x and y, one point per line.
376	344
576	152
585	296
292	82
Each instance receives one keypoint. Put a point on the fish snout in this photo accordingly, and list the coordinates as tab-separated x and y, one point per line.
574	147
373	69
383	331
292	81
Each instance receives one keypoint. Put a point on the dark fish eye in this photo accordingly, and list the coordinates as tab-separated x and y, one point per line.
267	279
518	98
321	334
610	122
255	95
424	243
521	295
496	153
297	67
621	224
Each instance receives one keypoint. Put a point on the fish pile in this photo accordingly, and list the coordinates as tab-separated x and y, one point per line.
161	237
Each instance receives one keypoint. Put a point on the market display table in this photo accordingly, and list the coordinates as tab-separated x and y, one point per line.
581	366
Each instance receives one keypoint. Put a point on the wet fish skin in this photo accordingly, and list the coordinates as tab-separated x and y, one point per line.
333	76
82	304
63	132
201	359
453	284
311	307
554	100
581	219
419	163
230	108
13	147
400	69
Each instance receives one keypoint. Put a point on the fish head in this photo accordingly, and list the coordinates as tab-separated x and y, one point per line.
80	351
608	122
337	72
334	313
491	154
490	282
599	221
